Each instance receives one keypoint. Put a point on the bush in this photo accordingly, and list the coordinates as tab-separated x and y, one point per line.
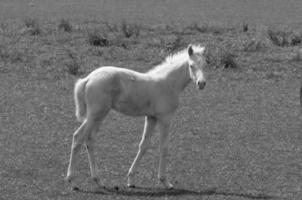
283	38
33	26
227	61
220	56
176	44
30	22
245	27
65	25
95	38
130	30
295	39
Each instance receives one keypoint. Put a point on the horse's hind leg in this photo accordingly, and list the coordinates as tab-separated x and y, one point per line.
84	134
96	113
77	140
150	123
90	144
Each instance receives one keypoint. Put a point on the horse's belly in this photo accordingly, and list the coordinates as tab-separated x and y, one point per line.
133	106
134	95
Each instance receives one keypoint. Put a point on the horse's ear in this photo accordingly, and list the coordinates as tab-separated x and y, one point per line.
190	50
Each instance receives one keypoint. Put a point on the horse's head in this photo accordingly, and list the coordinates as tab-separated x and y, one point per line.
197	62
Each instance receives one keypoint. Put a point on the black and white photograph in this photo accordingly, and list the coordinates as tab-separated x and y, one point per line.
151	99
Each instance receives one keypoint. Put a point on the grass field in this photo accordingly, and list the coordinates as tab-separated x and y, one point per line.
240	138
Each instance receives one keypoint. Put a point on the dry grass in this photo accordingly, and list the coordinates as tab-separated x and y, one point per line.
65	25
254	45
97	38
228	61
284	38
301	95
238	139
177	43
73	63
297	56
245	27
207	28
33	26
130	29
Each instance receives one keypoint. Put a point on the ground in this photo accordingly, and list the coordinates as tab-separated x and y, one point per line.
239	138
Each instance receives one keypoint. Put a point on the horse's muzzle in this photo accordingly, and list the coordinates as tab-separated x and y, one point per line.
201	84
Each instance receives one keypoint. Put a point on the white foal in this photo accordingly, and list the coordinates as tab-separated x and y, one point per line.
154	94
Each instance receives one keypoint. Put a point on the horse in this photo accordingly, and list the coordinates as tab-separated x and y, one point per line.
153	94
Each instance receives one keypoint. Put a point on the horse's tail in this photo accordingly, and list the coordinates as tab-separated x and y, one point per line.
79	98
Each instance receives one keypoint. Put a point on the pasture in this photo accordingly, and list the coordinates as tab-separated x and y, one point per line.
240	138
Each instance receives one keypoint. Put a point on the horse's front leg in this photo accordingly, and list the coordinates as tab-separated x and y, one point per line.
164	125
150	123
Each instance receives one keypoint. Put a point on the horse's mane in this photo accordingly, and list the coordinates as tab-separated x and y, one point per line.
176	59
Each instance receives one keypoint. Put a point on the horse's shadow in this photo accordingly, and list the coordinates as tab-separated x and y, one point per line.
158	192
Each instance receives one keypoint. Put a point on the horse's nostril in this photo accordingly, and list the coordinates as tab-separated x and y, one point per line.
201	84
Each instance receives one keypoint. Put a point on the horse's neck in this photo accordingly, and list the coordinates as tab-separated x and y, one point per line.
177	77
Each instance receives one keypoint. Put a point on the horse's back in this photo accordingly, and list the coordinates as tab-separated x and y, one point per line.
128	92
111	77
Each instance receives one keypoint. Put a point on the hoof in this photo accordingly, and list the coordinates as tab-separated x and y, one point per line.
96	180
130	181
170	187
68	179
98	183
131	186
75	188
166	184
